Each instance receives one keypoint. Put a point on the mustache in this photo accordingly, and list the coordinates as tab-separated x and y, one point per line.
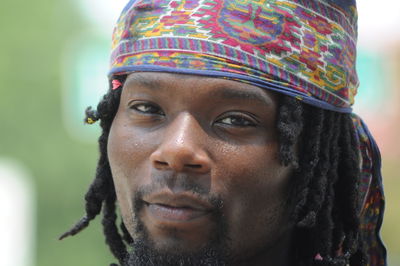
177	183
143	250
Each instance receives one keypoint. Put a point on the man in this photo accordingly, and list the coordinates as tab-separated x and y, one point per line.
228	137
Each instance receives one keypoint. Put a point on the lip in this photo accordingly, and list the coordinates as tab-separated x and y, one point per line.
176	207
177	214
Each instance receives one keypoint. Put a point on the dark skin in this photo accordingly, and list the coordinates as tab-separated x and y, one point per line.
175	132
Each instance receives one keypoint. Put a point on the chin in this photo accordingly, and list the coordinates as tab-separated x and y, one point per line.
144	253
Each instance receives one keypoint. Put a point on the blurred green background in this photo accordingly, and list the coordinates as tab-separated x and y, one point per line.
36	110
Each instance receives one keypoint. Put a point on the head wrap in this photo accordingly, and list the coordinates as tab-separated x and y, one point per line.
301	48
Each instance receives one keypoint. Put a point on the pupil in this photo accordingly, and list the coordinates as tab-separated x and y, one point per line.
238	121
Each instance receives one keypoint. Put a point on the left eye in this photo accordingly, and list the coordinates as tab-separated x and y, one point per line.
237	121
147	108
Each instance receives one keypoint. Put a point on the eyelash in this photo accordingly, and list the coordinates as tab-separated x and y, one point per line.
244	120
148	105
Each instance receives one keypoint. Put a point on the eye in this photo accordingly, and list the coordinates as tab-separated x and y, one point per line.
237	121
147	108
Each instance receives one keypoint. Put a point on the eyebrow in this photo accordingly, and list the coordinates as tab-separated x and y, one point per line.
145	82
227	93
241	94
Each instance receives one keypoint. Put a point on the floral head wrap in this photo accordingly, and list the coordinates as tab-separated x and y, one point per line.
301	48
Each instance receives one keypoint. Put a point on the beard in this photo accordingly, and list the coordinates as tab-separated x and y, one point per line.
143	254
143	250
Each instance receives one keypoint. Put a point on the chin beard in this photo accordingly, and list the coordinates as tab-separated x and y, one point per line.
144	255
214	253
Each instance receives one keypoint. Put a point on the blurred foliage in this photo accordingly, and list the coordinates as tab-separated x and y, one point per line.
33	35
391	229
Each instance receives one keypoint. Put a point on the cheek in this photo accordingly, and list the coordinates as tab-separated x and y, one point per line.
129	149
256	186
126	155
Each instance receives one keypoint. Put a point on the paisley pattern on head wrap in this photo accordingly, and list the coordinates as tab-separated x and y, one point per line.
307	46
301	48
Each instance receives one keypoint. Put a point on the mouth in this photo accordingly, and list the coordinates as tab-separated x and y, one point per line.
171	207
166	212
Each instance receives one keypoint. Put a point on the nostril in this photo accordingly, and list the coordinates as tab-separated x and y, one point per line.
161	163
195	166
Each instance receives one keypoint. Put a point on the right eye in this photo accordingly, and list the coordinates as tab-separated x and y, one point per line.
147	108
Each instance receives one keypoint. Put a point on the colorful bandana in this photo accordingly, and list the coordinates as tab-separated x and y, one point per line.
301	48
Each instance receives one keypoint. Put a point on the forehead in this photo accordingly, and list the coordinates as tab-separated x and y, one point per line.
195	85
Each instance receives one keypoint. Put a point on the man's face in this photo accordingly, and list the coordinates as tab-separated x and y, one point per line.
195	165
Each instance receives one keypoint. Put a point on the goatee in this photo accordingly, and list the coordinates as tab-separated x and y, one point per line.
144	252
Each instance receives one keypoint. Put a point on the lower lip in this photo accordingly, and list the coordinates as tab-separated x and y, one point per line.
175	214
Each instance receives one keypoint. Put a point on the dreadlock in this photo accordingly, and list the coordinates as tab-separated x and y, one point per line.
101	193
324	191
326	183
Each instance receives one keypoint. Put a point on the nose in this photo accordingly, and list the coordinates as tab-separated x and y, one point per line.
182	148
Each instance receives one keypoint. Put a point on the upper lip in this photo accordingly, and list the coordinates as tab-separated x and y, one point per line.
178	200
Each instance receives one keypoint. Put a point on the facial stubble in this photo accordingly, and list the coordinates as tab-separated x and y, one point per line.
144	251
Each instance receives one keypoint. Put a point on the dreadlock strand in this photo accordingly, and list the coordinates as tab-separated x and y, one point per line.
100	187
349	180
332	238
95	196
311	140
315	234
113	237
324	196
319	182
289	127
126	236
